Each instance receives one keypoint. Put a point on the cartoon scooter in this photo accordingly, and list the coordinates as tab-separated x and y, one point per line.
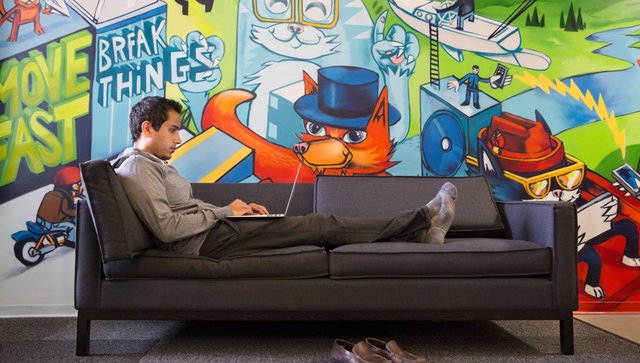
32	244
55	219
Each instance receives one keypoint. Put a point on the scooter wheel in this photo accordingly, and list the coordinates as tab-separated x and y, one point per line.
25	251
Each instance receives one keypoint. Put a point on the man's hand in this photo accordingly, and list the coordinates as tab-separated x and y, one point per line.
493	81
454	85
258	209
240	208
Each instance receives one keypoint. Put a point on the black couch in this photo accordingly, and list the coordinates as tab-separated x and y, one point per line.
511	260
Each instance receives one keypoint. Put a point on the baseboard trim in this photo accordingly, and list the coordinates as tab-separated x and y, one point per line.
37	311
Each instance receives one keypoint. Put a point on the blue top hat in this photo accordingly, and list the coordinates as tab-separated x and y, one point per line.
346	98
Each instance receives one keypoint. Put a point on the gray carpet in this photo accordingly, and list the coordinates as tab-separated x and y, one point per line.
53	340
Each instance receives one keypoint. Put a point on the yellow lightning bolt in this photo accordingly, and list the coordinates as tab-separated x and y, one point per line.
574	91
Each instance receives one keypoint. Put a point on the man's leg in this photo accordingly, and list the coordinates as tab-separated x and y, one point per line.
629	230
232	238
589	255
241	237
466	98
69	228
476	97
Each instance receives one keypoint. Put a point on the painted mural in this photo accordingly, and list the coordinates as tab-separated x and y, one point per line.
539	96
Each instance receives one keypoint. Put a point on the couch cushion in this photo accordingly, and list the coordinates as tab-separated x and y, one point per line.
290	263
363	197
120	232
462	257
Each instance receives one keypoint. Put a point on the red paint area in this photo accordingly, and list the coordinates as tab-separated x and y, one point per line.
621	283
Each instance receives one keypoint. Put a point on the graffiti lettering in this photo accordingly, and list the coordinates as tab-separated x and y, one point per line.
130	80
28	137
52	77
185	6
139	61
130	45
43	137
208	5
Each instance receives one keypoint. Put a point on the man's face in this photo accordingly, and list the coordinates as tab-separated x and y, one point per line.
163	143
475	70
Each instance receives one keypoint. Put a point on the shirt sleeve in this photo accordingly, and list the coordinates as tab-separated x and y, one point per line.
144	184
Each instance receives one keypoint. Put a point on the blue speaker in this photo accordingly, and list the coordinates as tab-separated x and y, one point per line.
448	131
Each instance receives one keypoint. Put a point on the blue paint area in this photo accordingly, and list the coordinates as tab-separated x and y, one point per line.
55	26
207	156
620	90
239	172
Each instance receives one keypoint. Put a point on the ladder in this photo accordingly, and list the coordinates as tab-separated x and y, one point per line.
434	55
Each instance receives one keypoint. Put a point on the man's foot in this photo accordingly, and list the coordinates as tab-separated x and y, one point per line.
465	103
440	212
595	291
476	105
630	261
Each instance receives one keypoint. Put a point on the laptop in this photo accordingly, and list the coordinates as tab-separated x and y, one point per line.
273	215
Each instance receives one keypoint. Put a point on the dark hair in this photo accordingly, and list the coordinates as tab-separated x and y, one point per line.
153	109
475	67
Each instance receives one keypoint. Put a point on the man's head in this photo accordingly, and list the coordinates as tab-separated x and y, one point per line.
154	123
475	69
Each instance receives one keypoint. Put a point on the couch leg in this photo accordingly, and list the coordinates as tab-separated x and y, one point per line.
83	335
566	335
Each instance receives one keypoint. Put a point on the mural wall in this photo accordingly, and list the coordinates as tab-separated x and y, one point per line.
539	96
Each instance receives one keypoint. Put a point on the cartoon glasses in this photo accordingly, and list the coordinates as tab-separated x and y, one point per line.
318	13
538	186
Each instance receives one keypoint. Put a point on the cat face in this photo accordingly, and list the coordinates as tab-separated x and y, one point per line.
298	29
322	32
294	40
562	195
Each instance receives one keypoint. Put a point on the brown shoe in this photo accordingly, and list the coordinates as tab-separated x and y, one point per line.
346	352
392	351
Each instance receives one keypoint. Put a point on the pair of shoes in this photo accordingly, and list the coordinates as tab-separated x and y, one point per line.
371	350
392	351
465	103
630	261
476	105
594	291
344	351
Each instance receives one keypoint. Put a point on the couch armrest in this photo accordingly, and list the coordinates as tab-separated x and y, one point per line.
554	225
88	269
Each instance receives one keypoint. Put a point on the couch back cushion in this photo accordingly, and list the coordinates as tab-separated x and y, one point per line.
371	196
120	233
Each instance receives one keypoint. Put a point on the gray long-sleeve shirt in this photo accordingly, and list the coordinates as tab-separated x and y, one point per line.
164	202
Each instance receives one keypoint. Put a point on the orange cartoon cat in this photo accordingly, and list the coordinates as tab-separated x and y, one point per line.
346	123
24	12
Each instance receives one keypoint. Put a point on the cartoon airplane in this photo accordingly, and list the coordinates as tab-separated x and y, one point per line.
485	37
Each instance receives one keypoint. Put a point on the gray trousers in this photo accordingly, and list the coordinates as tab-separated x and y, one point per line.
232	238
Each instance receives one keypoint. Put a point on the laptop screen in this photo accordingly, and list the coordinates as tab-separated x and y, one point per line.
293	188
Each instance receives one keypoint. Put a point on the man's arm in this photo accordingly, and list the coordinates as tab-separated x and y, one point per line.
238	207
68	208
465	78
144	185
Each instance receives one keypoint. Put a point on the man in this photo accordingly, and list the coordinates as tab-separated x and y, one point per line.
57	211
163	200
465	11
472	80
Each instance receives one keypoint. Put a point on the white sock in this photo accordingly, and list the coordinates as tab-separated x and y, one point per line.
440	212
